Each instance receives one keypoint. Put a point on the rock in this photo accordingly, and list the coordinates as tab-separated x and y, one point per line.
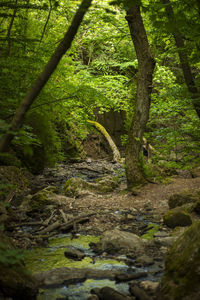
44	198
150	285
182	267
74	187
72	275
161	234
116	241
128	277
183	197
138	292
15	281
107	293
165	241
145	260
74	253
177	217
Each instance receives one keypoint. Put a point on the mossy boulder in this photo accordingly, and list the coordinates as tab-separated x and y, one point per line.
39	200
178	216
183	197
15	281
74	187
182	276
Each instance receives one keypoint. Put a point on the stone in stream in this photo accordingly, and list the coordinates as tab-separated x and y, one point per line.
138	292
117	241
144	260
73	253
108	293
66	275
150	285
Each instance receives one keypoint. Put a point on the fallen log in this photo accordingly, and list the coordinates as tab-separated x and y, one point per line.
50	228
68	225
72	223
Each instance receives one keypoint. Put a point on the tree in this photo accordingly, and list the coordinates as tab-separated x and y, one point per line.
187	72
44	76
146	64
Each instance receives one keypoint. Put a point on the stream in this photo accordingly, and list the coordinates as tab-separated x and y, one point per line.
52	255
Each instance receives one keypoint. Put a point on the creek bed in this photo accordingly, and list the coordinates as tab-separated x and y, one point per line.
52	257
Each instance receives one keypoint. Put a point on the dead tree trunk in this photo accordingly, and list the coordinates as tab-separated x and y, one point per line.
44	76
146	64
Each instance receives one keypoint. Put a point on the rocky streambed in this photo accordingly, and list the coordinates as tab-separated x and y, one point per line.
88	238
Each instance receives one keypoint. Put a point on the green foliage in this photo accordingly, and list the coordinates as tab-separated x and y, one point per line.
151	230
10	256
98	73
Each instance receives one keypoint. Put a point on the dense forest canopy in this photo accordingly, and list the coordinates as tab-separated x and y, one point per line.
99	73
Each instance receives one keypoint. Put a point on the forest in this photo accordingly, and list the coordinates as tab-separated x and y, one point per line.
99	149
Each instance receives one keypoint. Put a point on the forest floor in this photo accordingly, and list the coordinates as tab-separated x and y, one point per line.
118	208
151	200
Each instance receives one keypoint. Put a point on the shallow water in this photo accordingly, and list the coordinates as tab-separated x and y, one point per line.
51	257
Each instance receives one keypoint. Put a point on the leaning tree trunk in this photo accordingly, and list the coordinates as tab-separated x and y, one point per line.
146	64
44	76
187	72
115	151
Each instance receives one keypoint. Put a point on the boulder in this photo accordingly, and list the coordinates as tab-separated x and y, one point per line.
75	187
182	267
184	197
116	241
177	217
42	199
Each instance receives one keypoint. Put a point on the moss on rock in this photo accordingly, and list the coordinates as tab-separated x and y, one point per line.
182	276
39	200
74	186
183	197
177	217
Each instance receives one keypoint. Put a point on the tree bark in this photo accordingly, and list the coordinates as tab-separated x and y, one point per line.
10	28
116	153
146	64
187	72
44	76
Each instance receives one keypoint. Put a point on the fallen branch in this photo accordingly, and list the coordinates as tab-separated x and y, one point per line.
72	223
63	215
67	225
50	227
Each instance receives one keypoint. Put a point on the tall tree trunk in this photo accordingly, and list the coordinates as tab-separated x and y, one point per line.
146	64
187	73
10	27
44	76
46	23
